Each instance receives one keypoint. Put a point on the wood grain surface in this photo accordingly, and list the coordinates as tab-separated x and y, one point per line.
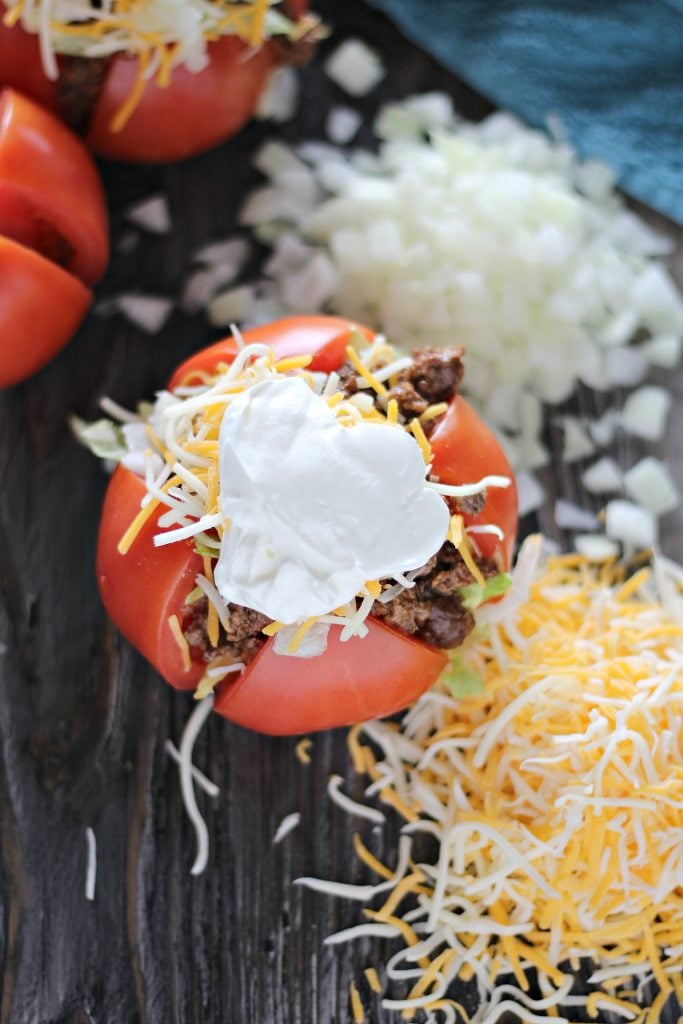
83	720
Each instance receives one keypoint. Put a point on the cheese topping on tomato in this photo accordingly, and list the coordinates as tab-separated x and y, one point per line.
317	508
161	33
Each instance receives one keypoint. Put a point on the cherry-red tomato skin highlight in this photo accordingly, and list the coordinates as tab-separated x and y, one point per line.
279	694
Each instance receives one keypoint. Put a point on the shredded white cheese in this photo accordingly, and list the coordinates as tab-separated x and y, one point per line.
286	826
187	741
91	867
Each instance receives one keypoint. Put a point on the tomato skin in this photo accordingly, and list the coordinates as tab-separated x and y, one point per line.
277	694
21	67
465	450
323	337
49	185
351	682
191	114
144	587
41	307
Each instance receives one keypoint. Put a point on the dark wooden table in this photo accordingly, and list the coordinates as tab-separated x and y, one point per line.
84	720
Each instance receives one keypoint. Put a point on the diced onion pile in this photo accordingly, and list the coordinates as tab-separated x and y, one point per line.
555	797
489	235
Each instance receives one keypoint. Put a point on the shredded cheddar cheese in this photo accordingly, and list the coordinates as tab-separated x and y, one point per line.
556	801
180	640
303	750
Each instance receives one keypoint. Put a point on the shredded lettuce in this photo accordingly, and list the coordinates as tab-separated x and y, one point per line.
474	594
102	437
460	679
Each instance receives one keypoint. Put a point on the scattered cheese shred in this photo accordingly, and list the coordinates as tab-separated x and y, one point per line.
421	438
91	867
303	749
458	537
372	978
364	373
356	1004
556	800
180	639
133	530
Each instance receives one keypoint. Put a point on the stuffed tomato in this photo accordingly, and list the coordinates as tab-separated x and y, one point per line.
150	80
303	523
53	235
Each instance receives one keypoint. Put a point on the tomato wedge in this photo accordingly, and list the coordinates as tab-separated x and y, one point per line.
53	235
41	307
350	681
194	112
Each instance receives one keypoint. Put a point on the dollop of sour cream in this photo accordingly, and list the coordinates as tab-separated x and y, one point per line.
316	509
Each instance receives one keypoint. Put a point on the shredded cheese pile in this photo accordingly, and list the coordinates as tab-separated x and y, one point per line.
175	446
556	801
161	34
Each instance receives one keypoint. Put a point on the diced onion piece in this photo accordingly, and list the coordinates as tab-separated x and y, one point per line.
151	214
603	429
595	547
312	286
279	101
664	350
231	306
650	484
342	125
569	516
630	524
577	444
645	413
286	826
231	251
355	68
603	476
624	367
530	494
148	312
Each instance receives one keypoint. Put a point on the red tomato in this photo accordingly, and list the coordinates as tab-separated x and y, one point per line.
53	235
351	681
465	450
191	114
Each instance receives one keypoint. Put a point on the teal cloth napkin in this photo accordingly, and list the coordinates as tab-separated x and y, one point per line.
611	69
